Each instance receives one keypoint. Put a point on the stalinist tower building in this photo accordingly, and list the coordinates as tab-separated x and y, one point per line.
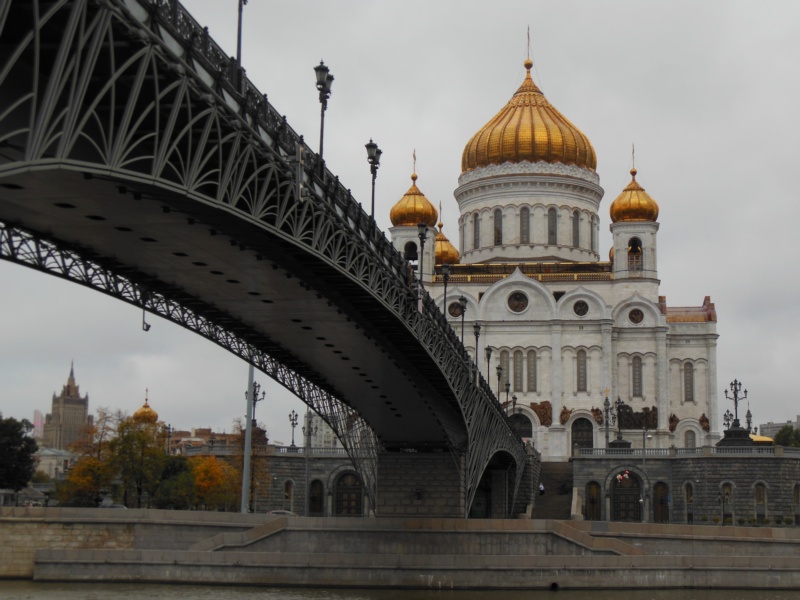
69	416
564	324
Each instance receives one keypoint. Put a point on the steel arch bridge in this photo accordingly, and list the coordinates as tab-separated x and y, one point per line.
137	159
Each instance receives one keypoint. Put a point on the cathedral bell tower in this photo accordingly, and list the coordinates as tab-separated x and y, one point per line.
634	228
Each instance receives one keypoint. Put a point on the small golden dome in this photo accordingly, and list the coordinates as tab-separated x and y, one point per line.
145	414
529	129
446	253
413	208
633	204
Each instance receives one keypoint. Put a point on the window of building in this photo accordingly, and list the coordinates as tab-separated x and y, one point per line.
504	362
593	502
593	234
498	227
552	227
688	382
690	439
476	232
635	255
518	371
689	497
288	495
532	370
581	371
636	376
524	225
576	229
349	495
727	503
316	499
761	502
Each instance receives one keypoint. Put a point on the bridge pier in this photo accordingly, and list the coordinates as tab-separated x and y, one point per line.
421	484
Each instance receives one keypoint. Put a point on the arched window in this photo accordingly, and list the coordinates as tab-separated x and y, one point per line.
521	425
593	234
410	251
518	371
476	231
727	503
635	255
504	360
581	371
636	376
576	229
688	382
498	227
690	439
462	242
532	370
552	227
689	498
524	225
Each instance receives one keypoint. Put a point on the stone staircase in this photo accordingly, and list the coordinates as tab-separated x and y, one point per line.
557	500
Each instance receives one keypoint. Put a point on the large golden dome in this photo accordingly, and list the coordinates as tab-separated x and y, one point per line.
145	414
446	253
529	129
413	208
633	204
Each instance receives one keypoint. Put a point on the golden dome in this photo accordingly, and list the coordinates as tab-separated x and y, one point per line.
633	204
446	253
413	208
529	129
145	414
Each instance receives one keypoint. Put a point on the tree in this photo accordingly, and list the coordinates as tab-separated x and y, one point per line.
177	490
788	436
138	458
17	463
215	482
85	482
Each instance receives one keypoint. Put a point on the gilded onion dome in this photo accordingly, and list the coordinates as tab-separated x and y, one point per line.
446	253
633	204
145	414
529	129
413	208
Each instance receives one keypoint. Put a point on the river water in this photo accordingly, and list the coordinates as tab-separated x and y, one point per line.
28	590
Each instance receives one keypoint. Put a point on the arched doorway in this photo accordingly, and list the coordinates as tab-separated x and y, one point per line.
582	433
626	498
521	425
315	499
348	495
593	499
660	503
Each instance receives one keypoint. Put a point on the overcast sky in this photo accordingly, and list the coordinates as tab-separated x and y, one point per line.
707	91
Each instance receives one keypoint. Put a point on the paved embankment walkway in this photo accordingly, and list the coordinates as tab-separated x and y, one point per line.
63	544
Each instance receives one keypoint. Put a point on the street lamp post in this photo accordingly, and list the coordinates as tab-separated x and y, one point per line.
445	278
508	389
645	437
488	352
514	404
462	302
606	415
476	328
239	35
324	84
293	422
374	159
736	387
499	376
736	435
422	233
727	419
308	432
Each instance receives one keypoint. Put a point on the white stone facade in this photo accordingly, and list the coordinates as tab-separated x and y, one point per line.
566	328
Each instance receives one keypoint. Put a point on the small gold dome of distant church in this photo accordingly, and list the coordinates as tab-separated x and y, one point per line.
446	253
634	204
145	414
413	208
528	128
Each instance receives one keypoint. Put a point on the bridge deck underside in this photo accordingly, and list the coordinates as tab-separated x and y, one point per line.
282	299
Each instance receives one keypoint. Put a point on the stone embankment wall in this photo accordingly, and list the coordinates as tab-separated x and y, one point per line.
58	544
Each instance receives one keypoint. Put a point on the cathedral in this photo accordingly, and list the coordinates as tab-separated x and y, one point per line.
578	348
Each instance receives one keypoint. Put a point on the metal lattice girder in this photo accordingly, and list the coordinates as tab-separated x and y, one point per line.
135	94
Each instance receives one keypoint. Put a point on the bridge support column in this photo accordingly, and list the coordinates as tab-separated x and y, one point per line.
422	484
